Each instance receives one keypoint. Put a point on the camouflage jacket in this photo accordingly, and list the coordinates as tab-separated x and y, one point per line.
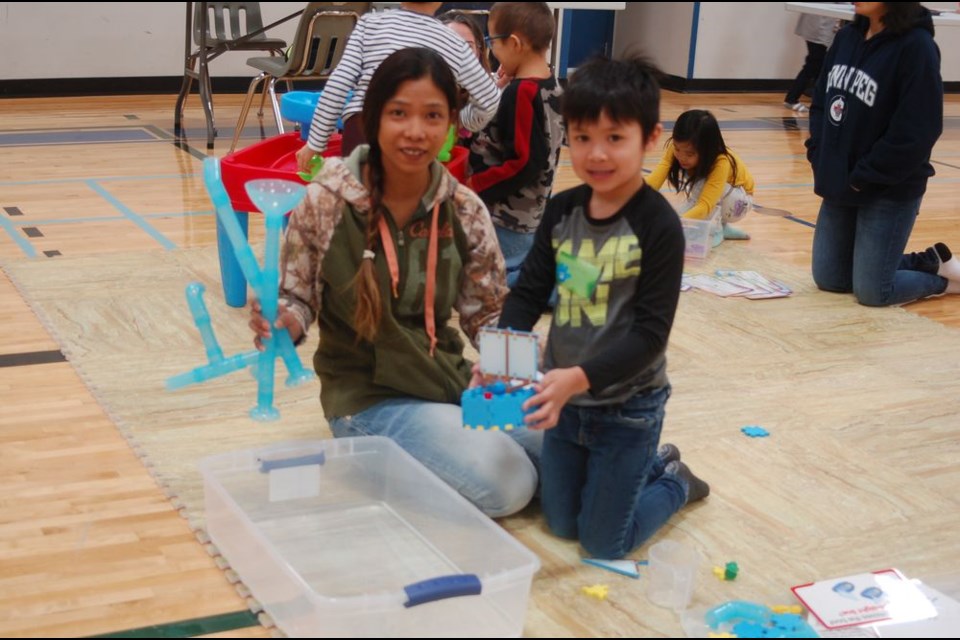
322	252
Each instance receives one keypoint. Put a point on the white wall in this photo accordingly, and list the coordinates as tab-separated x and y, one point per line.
661	30
756	41
107	40
736	40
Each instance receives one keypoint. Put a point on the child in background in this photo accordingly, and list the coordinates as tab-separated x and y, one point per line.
514	158
468	28
603	479
375	37
698	163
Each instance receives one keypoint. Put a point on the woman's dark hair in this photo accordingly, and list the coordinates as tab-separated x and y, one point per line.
483	54
900	17
626	90
701	129
399	67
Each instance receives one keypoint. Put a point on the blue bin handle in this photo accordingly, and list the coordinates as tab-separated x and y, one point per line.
466	584
266	466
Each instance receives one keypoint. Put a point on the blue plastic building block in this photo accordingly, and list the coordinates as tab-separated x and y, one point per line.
755	431
751	620
494	406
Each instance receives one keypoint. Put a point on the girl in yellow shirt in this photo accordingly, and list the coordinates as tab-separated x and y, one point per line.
698	163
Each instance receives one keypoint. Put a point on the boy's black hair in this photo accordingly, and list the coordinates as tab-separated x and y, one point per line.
532	20
626	90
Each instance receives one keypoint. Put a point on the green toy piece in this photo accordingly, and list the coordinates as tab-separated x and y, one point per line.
316	163
444	155
577	276
731	570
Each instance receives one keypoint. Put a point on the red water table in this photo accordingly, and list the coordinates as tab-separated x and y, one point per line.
274	158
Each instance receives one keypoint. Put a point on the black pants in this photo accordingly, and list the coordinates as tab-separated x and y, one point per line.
352	135
809	73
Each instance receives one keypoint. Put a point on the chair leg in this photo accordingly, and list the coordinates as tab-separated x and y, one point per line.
263	99
276	104
185	86
242	120
206	96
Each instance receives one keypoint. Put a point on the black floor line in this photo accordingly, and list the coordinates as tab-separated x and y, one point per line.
31	358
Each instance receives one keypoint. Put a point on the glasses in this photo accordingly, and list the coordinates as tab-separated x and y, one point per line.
489	39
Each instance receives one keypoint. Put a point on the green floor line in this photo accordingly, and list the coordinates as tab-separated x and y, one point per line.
191	628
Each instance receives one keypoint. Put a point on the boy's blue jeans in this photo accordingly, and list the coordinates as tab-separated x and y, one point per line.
493	470
601	479
859	249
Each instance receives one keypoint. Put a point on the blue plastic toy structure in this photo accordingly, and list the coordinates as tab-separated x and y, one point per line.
274	197
755	431
751	620
494	406
507	358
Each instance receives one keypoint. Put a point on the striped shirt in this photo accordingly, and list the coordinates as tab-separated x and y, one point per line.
375	37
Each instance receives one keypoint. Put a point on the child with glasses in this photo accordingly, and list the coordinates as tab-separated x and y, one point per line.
514	158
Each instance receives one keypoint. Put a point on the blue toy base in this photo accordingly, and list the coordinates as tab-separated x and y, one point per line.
493	407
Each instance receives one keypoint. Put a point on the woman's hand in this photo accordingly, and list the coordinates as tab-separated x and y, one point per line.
476	379
553	392
261	328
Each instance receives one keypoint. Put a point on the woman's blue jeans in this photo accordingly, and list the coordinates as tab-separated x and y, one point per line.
859	249
602	482
495	471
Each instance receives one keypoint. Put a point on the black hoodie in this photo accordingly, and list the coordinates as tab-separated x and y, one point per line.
877	112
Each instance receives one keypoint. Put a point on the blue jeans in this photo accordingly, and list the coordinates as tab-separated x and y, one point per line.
495	471
859	249
602	481
514	246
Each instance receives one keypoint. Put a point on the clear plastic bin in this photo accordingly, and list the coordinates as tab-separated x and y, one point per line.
332	537
699	236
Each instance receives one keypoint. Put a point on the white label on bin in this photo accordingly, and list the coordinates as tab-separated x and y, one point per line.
295	482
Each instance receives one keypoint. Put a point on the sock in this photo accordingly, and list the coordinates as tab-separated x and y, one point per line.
732	233
668	453
697	489
949	265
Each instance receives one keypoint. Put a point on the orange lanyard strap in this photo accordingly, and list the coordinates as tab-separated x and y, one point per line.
390	252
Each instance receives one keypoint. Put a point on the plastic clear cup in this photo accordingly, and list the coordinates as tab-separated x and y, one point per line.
672	574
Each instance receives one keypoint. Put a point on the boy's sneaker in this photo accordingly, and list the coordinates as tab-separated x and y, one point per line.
697	489
799	107
668	453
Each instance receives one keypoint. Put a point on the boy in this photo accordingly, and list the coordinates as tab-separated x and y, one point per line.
375	37
602	398
514	158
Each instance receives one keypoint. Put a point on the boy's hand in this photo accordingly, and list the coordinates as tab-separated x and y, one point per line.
304	156
502	78
261	328
557	386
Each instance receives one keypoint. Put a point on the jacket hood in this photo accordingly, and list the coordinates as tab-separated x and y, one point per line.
344	177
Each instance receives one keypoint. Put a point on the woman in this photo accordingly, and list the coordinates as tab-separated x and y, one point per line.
877	112
385	246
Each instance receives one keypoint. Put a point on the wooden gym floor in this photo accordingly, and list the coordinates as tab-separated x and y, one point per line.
84	176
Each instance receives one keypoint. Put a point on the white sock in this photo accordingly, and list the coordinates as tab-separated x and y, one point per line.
950	269
953	286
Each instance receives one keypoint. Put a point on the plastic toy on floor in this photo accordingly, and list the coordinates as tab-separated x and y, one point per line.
508	360
274	198
746	619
